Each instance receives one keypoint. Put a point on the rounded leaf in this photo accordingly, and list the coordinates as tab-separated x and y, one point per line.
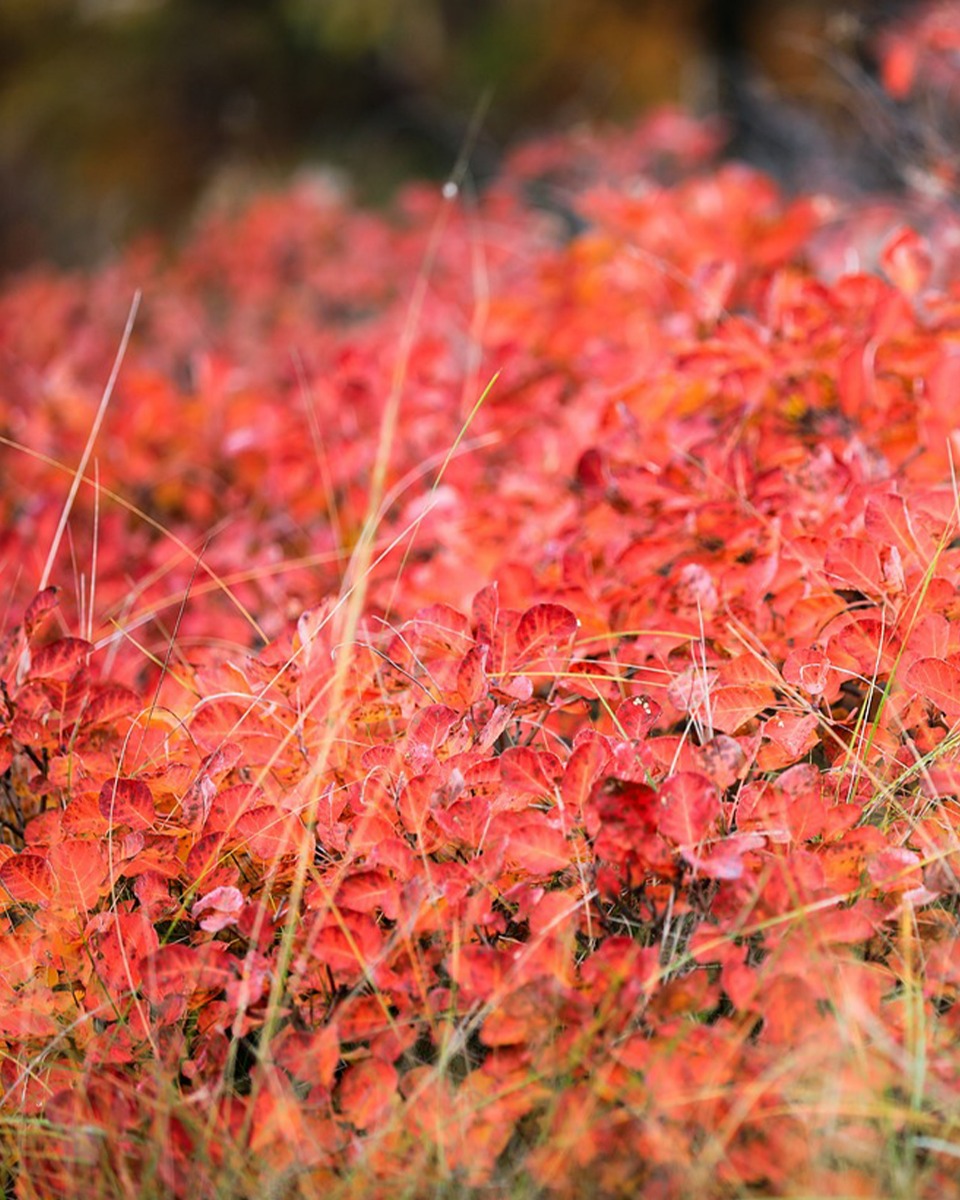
127	802
28	879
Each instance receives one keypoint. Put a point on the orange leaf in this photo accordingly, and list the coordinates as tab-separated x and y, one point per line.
28	879
269	832
367	1091
127	802
731	707
80	866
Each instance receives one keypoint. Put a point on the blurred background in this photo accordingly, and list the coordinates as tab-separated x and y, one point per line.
121	116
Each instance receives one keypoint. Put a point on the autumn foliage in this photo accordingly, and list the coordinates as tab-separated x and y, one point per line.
489	720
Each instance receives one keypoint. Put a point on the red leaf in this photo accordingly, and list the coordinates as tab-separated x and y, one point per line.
83	816
532	843
42	603
80	866
637	716
269	832
544	627
791	808
793	737
938	682
440	631
887	520
472	675
724	860
527	772
367	1091
843	926
109	704
182	970
623	816
583	766
486	610
128	938
310	1057
811	670
197	801
689	808
127	802
855	563
895	869
429	729
28	879
368	891
689	691
478	971
722	760
907	262
59	659
929	638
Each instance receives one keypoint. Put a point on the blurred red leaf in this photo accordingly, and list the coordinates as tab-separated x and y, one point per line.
311	1057
689	808
367	1092
183	970
907	261
895	869
369	891
478	971
532	843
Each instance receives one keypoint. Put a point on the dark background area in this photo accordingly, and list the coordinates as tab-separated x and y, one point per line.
120	116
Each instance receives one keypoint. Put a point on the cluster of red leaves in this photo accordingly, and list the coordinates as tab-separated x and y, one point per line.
615	850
